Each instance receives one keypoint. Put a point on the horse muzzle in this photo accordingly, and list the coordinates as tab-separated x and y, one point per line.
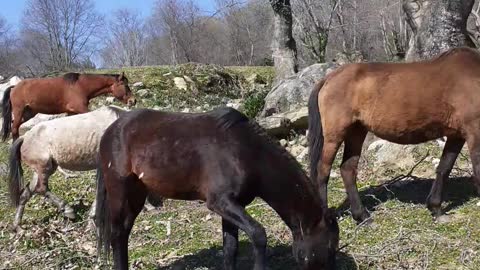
131	102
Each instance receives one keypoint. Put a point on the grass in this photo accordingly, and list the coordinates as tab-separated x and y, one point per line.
402	236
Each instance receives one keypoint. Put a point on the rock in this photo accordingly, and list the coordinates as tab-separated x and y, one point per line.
138	84
303	156
180	83
275	126
296	150
303	140
391	154
435	162
293	93
193	86
13	81
283	142
143	92
236	104
295	119
110	99
298	118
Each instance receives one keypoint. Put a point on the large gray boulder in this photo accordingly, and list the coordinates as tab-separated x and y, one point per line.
293	92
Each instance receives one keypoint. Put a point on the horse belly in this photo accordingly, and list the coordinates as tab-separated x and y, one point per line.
405	132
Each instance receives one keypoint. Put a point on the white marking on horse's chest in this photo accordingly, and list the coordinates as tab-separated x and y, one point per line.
141	175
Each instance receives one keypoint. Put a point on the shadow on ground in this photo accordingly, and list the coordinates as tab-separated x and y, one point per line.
279	258
456	191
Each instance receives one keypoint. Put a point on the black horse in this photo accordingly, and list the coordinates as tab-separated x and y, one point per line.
219	157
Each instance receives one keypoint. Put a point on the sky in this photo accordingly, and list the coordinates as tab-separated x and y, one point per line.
12	10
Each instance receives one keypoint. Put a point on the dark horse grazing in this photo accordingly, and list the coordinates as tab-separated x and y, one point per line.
219	157
67	94
405	103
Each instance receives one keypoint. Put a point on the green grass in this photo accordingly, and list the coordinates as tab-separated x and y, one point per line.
402	236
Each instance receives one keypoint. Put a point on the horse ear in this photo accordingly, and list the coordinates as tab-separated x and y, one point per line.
121	76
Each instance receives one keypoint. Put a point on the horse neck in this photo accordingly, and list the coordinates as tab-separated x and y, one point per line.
96	85
293	197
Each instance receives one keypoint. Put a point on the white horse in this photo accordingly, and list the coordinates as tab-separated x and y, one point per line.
70	142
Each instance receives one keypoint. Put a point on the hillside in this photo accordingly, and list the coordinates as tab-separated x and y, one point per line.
185	235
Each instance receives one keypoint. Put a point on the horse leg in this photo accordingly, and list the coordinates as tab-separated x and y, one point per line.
125	203
230	244
24	198
349	170
452	148
473	143
237	216
17	121
324	167
42	188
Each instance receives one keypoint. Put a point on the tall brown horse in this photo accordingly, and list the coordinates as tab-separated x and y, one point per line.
405	103
70	93
219	157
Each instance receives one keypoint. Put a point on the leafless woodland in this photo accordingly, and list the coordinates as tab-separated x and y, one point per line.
57	35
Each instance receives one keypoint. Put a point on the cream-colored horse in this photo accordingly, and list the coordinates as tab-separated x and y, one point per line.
69	142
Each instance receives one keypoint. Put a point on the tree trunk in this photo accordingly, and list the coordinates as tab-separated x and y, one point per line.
437	26
284	46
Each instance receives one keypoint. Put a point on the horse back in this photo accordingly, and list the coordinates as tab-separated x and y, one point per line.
175	155
405	98
46	95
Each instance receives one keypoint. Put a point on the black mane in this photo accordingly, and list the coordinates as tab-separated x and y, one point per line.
227	117
72	77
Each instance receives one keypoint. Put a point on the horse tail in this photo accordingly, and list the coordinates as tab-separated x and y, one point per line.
15	174
315	132
102	217
6	114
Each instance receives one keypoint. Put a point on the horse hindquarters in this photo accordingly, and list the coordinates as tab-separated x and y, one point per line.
119	201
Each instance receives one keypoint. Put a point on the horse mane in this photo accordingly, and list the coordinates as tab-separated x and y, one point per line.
72	77
227	117
275	146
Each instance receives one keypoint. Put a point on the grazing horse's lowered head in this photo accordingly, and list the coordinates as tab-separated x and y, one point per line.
220	157
122	92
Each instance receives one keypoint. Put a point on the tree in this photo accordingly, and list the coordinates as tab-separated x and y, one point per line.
8	52
284	46
126	45
60	34
437	26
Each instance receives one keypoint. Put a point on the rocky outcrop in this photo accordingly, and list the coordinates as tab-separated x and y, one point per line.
292	93
280	125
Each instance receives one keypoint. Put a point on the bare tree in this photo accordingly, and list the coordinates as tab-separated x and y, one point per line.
8	52
246	26
437	26
284	45
60	34
126	45
313	21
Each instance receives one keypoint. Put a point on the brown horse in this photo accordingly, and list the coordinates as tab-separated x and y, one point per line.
70	93
219	157
405	103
